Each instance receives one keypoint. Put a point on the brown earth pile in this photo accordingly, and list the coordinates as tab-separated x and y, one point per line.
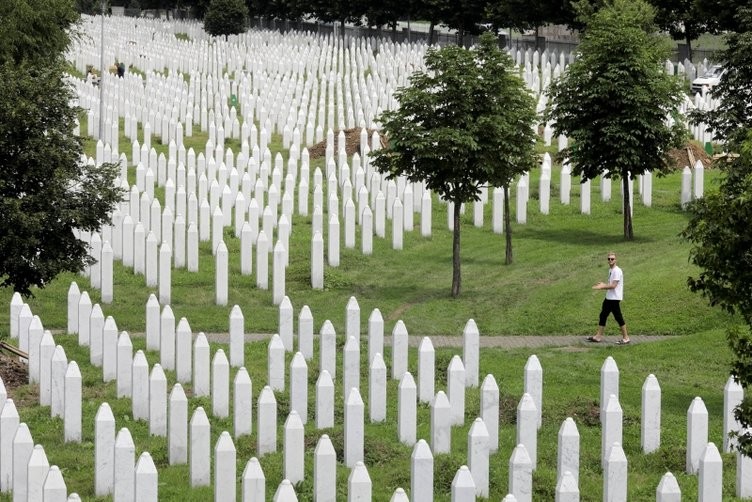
680	156
13	373
352	143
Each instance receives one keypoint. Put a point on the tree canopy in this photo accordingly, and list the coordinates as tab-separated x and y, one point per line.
613	101
721	240
463	123
684	20
226	17
46	191
733	117
719	228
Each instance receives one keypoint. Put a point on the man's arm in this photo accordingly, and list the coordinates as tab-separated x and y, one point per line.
610	285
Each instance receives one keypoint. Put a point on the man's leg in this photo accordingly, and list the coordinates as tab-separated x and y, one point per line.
620	320
601	321
624	334
599	333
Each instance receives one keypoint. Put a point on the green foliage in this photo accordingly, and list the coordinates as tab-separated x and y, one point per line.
613	101
740	341
45	190
463	123
724	13
35	29
733	117
722	241
684	20
524	14
226	17
722	247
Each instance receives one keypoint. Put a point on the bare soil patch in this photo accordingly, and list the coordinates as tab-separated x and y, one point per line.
13	373
352	143
680	156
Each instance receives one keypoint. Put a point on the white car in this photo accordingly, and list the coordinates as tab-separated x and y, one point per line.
710	79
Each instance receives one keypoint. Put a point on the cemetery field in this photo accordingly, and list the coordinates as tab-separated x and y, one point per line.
557	257
224	180
546	291
688	366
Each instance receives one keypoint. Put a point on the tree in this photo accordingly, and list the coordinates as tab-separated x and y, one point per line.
733	117
721	240
525	14
339	11
464	16
613	101
719	227
430	10
463	123
725	13
34	30
684	20
226	17
46	192
387	13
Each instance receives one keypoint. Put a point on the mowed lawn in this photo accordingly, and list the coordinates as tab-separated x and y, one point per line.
546	291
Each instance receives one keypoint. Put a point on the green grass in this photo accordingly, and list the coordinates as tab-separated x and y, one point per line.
545	291
571	388
557	257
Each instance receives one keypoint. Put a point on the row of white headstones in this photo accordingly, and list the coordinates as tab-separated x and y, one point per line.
140	223
252	182
262	132
262	96
22	465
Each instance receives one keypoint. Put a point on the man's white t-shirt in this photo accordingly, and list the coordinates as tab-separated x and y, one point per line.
615	274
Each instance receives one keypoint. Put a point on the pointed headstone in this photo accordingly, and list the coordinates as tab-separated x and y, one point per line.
177	426
225	467
199	449
104	450
267	422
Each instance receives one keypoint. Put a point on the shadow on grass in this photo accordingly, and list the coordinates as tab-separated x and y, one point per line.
582	237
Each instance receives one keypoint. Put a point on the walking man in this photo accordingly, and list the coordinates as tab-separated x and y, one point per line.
611	304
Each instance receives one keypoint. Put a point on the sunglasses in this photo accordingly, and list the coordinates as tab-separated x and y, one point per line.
611	259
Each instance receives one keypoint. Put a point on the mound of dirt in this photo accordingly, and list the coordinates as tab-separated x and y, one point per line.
352	143
13	373
688	155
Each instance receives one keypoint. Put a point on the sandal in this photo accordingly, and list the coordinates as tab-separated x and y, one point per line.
593	339
623	342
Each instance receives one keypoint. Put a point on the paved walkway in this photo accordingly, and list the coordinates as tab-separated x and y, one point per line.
502	342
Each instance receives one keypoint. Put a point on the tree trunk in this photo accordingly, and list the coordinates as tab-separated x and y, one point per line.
628	230
430	33
456	273
508	258
394	31
342	28
537	30
689	44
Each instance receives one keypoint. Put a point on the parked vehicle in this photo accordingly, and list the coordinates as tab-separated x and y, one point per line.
709	79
